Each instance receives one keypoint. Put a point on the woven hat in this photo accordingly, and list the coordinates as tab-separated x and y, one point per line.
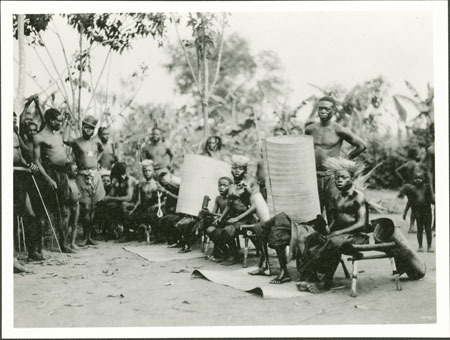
90	120
105	172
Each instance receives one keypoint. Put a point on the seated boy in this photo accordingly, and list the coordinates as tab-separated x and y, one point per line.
146	208
214	229
322	254
240	208
118	202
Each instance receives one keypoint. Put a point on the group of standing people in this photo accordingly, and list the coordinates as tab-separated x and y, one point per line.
96	189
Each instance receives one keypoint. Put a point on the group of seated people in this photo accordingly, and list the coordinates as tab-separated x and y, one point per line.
124	208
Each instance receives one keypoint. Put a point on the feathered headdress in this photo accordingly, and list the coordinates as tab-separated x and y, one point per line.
239	160
338	163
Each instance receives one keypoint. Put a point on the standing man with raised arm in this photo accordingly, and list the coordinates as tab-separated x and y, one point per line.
87	151
50	158
328	138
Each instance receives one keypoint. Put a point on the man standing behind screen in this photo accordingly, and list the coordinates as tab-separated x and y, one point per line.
328	138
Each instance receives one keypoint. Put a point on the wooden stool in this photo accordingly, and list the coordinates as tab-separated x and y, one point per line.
360	256
247	231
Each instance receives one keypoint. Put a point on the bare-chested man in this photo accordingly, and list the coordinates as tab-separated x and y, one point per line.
27	146
328	138
108	155
50	157
319	262
86	151
22	203
157	150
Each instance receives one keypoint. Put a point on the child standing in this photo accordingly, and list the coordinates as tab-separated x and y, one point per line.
406	173
73	206
420	199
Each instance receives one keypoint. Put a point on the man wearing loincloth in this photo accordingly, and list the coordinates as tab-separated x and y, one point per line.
50	157
86	151
322	254
328	138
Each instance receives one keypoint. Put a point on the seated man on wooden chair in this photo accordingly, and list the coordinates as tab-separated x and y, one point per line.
322	254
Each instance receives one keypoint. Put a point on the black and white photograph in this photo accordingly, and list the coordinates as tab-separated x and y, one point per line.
175	166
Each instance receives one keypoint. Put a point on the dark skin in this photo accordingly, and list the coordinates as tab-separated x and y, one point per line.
421	196
86	151
27	146
74	214
406	173
329	136
48	147
157	150
148	189
429	162
26	117
108	155
350	216
238	172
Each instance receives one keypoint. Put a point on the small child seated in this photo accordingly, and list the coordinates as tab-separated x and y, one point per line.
213	231
106	180
72	207
420	199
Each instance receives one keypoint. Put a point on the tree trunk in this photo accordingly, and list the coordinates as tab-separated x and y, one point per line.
205	94
80	79
20	92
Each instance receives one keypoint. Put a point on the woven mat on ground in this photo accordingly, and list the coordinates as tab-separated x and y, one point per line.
160	253
240	279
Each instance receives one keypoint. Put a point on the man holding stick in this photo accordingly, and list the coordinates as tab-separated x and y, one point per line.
22	202
87	152
328	138
50	158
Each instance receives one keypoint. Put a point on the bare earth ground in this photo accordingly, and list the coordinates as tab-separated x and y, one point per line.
106	286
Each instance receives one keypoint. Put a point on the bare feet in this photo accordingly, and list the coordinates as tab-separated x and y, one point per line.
18	268
185	250
91	242
302	286
260	271
316	287
35	256
430	250
67	250
230	261
175	245
420	250
74	246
